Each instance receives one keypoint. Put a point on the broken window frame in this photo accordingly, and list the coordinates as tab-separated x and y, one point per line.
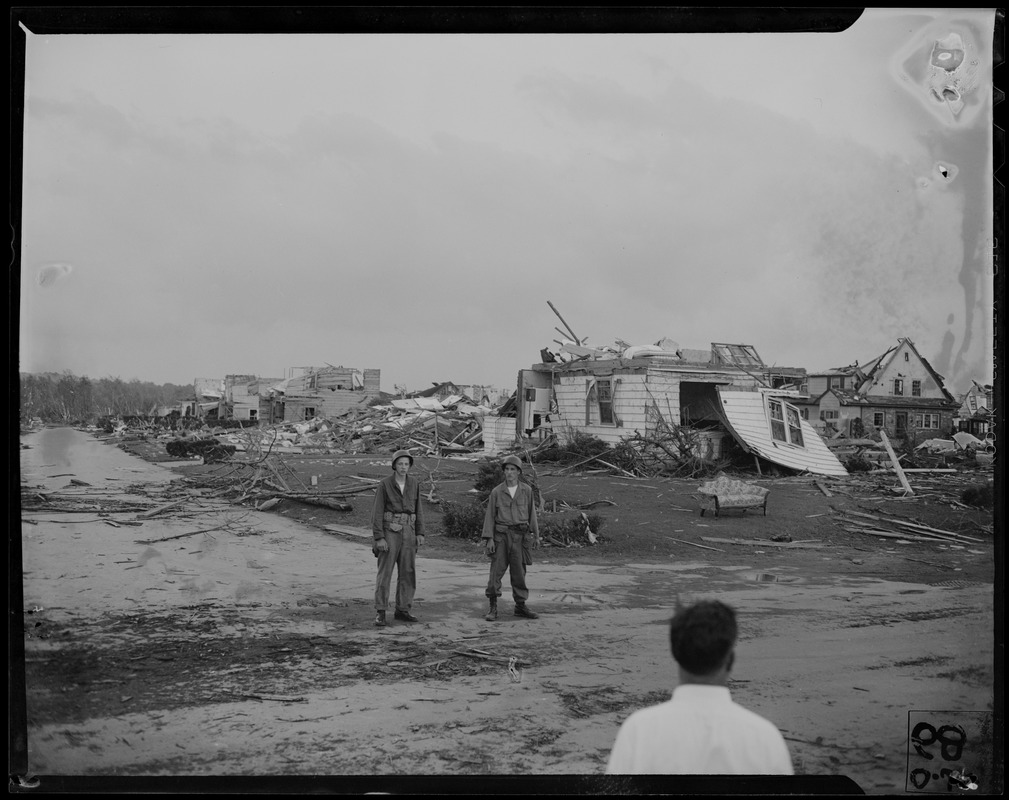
898	387
594	400
309	413
794	426
780	415
828	414
604	399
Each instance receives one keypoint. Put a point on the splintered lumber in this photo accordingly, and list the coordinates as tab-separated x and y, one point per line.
568	327
822	488
471	654
896	463
870	531
762	543
315	500
364	533
694	544
182	535
165	507
913	525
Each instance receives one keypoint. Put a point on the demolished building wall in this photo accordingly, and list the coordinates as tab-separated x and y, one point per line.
248	396
326	392
613	400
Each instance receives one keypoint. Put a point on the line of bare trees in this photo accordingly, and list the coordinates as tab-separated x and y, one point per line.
66	398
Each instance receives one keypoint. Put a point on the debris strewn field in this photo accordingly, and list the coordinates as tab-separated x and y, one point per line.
216	617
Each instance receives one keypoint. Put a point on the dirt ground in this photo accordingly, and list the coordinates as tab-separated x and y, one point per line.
217	641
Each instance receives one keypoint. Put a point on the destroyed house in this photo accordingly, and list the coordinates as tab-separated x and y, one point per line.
976	412
715	394
247	397
326	392
208	399
440	391
897	392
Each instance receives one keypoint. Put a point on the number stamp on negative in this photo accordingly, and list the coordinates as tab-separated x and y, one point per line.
948	751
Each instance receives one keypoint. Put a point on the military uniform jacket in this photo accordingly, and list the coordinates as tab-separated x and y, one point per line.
389	499
503	509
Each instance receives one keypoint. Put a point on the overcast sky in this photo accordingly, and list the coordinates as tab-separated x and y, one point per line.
203	205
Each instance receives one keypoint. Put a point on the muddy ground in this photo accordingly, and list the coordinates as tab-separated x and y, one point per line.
212	640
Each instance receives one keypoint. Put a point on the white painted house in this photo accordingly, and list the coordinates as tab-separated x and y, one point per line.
612	397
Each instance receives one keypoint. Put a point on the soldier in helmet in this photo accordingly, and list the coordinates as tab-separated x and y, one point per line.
397	524
509	529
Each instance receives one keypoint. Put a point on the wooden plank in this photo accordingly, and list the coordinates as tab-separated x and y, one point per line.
364	533
165	507
912	525
694	544
896	463
762	543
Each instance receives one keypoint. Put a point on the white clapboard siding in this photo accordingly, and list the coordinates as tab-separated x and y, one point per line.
635	392
748	418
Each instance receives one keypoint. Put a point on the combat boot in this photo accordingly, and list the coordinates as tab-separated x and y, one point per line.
492	613
522	611
380	619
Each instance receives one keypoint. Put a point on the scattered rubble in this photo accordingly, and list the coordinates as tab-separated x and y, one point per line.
426	426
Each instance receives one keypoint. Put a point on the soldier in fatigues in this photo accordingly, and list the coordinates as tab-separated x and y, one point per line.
397	524
509	529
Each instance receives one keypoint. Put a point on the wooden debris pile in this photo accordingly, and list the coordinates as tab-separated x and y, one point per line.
74	501
671	451
263	478
889	527
933	455
437	429
424	425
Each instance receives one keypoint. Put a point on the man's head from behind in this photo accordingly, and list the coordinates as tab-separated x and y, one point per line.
702	638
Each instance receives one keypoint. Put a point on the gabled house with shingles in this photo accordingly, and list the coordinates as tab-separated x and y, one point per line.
897	392
976	411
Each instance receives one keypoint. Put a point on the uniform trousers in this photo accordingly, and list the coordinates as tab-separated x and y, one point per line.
402	556
507	556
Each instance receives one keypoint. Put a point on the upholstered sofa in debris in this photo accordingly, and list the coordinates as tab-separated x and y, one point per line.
724	492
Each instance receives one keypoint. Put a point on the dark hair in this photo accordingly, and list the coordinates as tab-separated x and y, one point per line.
702	636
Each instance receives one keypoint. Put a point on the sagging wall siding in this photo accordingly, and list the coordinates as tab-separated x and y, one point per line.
498	433
634	394
326	404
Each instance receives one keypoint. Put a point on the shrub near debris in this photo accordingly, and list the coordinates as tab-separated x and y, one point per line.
462	520
465	521
982	496
557	529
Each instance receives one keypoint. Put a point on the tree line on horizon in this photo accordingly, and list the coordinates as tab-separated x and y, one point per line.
65	397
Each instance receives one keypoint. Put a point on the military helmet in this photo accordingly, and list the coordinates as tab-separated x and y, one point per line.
401	454
513	460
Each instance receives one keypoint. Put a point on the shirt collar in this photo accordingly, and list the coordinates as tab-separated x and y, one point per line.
701	693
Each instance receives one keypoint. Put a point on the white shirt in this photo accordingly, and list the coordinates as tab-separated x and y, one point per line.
700	731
